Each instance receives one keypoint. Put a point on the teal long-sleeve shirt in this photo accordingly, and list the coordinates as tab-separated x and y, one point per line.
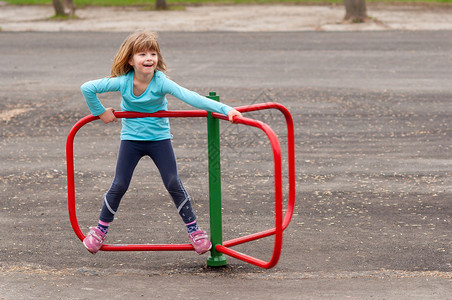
152	100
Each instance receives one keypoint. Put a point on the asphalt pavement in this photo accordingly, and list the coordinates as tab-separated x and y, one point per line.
373	159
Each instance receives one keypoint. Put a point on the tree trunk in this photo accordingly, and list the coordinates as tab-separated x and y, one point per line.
59	8
160	4
355	11
69	4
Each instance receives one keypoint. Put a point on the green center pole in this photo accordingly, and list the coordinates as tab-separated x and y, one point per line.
216	259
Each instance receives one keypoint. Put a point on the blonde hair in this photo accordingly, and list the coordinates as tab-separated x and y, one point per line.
136	42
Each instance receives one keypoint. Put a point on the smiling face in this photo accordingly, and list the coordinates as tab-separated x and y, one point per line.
127	57
144	62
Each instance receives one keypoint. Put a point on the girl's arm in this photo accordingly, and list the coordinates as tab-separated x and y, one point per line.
198	101
90	90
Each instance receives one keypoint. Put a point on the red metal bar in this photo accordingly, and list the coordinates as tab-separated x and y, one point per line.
280	222
278	230
291	171
71	179
290	151
291	201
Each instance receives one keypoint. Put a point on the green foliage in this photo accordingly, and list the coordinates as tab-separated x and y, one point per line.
194	2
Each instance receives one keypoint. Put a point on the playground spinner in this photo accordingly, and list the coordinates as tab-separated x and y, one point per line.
219	247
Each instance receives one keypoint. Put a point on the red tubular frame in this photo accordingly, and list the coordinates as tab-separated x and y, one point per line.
280	222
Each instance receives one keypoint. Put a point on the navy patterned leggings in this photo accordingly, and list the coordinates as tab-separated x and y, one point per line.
162	153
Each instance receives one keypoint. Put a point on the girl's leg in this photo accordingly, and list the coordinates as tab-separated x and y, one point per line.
162	154
129	154
128	157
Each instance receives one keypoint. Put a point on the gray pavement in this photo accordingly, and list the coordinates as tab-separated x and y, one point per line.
374	189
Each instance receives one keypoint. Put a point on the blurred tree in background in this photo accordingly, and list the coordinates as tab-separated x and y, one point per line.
64	8
160	4
355	11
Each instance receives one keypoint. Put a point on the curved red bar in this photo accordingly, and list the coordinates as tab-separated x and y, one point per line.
292	192
290	151
71	179
280	222
278	230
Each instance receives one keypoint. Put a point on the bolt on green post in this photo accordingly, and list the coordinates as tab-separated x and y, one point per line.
216	259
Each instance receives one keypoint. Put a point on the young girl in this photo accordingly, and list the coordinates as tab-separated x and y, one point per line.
138	72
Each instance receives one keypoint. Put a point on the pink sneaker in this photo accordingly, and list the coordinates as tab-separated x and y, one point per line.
94	240
200	241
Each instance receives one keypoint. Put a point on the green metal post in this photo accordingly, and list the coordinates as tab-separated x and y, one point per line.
216	258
